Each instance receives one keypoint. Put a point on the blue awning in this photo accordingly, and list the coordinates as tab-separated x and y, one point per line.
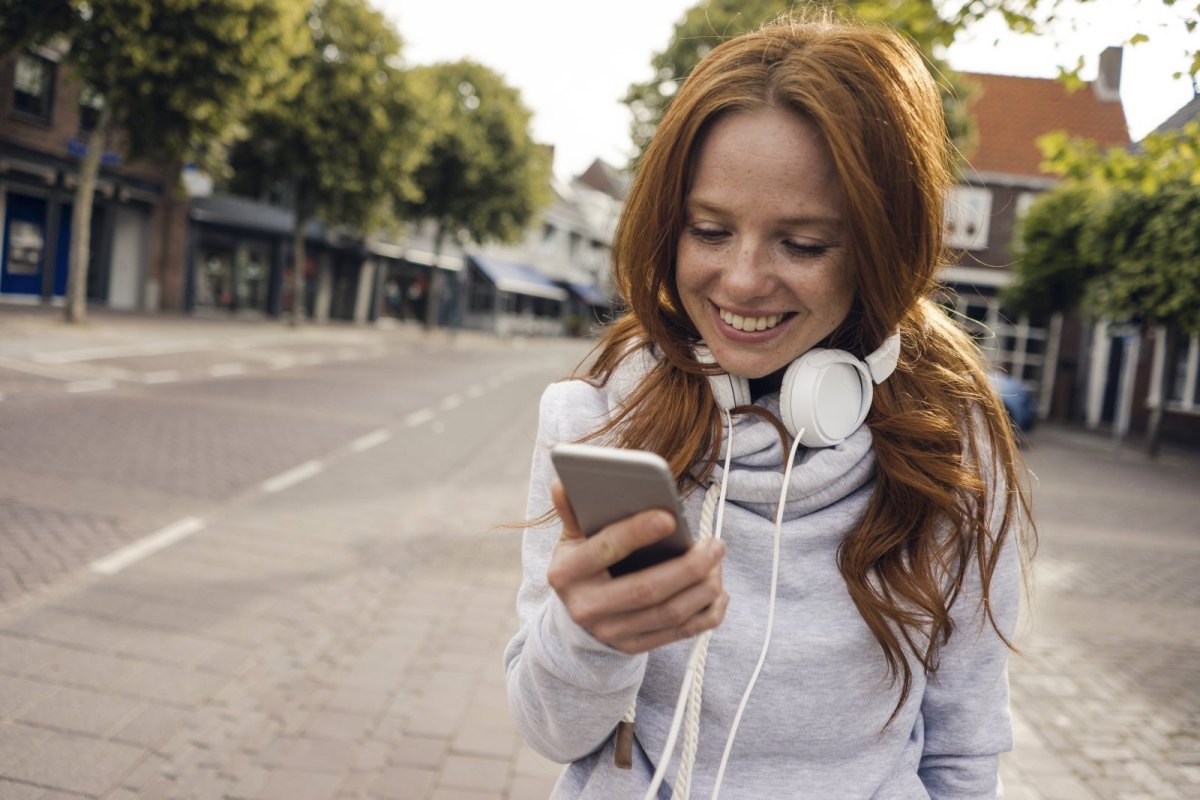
509	276
587	292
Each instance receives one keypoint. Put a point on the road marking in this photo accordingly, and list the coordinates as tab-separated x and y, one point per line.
148	545
373	439
475	391
164	376
495	382
348	354
418	418
282	362
453	401
225	370
76	387
311	358
285	480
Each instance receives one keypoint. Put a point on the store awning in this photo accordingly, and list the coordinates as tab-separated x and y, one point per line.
588	292
509	276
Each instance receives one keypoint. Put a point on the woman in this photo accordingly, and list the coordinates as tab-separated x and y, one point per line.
789	205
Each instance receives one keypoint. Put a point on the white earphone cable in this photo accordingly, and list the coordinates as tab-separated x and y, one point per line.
694	671
762	657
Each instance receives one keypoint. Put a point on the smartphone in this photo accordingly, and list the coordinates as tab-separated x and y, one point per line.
608	484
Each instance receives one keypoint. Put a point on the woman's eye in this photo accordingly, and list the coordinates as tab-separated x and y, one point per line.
805	250
711	235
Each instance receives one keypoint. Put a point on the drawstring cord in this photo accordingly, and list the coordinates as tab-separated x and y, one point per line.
691	692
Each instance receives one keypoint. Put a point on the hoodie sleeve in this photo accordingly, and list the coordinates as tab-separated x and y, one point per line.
567	690
966	705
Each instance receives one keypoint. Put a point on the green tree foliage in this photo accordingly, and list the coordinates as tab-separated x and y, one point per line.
174	75
339	139
711	22
482	173
1118	235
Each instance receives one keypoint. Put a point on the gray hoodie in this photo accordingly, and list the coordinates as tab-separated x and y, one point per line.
814	725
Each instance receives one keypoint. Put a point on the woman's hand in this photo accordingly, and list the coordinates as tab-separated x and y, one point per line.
674	600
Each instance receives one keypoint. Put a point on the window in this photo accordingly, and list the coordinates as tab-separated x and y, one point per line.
967	212
90	106
33	84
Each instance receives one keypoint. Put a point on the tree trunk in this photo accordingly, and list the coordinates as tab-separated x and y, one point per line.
299	221
434	292
1154	424
81	219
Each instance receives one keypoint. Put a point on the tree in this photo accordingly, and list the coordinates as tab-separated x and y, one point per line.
338	141
710	22
173	75
482	173
1120	237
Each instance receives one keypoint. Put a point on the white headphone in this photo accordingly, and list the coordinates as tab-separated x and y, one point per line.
826	393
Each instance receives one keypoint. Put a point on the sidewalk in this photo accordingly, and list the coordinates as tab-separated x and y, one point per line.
341	639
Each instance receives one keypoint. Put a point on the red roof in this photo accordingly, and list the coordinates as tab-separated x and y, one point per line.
1011	113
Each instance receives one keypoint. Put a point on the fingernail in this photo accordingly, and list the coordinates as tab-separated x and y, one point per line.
663	521
716	549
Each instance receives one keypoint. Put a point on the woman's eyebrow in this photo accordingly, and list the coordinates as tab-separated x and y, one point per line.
694	205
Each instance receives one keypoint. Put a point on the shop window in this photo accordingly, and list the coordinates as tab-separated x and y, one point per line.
33	87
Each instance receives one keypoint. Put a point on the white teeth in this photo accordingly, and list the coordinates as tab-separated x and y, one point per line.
750	323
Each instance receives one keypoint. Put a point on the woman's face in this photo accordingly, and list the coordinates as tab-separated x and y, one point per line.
762	266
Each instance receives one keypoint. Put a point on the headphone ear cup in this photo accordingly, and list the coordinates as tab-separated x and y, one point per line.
827	393
729	391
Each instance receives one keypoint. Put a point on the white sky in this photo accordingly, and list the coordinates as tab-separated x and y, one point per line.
573	61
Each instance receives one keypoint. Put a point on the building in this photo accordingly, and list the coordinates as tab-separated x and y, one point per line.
138	228
1000	178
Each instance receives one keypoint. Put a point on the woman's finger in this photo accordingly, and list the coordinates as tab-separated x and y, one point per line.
667	615
707	619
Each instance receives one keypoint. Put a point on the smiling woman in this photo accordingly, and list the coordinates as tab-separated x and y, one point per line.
778	253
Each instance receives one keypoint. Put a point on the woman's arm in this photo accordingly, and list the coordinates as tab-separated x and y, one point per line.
576	664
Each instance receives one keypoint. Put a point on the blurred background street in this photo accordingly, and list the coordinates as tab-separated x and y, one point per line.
317	595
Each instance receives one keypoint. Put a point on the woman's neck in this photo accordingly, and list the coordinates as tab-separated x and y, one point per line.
766	384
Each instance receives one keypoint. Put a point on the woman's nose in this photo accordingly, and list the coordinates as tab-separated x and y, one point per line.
748	273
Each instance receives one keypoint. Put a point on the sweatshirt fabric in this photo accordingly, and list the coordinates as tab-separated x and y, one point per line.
814	726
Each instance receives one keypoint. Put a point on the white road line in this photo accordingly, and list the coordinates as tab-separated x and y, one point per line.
164	376
453	401
348	354
373	439
418	418
293	476
475	391
282	362
225	370
77	387
147	545
311	358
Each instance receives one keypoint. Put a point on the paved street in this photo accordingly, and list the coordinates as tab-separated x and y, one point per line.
243	561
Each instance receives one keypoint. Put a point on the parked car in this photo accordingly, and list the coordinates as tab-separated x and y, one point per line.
1018	400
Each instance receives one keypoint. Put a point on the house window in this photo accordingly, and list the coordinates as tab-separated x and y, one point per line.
90	106
968	210
33	85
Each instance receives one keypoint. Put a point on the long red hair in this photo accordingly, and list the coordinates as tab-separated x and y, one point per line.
872	97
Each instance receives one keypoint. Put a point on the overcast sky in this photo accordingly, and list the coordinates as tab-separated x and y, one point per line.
573	61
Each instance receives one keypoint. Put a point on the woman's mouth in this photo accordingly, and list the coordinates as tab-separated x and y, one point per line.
750	324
